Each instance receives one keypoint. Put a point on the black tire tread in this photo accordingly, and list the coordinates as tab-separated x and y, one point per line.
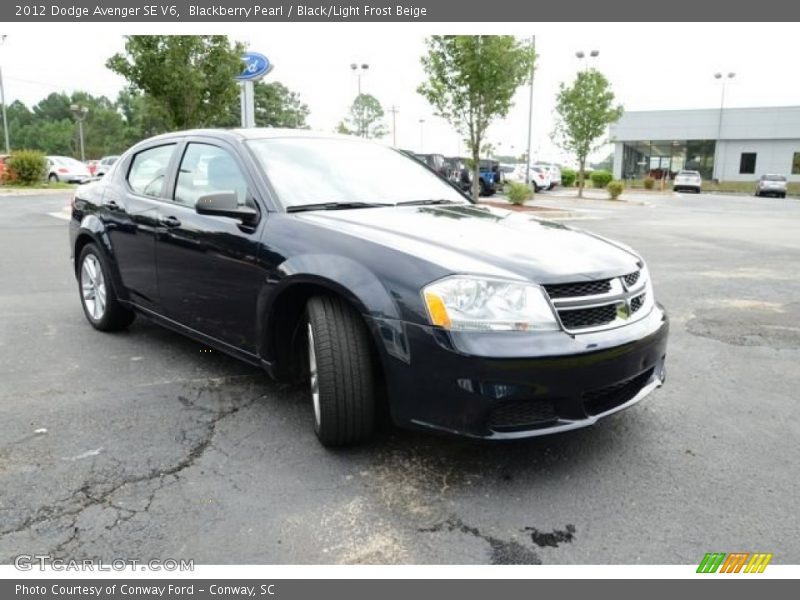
345	372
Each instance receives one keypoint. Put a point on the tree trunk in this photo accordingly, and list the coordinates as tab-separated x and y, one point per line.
581	177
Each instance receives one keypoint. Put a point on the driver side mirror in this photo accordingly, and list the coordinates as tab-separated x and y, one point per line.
225	204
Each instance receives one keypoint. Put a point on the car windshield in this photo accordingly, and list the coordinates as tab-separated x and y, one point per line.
305	171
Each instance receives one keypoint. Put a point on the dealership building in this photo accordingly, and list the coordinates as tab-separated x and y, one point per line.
734	144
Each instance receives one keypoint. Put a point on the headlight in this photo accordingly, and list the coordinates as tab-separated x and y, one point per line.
483	304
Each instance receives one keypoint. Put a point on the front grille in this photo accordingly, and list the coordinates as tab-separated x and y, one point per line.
522	414
604	399
631	278
580	288
637	302
582	318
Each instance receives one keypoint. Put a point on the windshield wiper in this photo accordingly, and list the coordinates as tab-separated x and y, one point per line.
426	202
334	206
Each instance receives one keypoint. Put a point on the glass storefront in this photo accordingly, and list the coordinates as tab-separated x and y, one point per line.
664	159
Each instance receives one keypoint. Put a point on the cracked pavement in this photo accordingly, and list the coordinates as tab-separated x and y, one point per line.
139	445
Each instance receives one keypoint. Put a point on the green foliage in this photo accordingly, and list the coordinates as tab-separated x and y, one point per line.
615	188
471	81
600	179
364	119
190	78
649	183
25	167
276	106
585	109
518	193
568	177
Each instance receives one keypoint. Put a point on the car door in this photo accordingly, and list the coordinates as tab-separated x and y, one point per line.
208	274
130	208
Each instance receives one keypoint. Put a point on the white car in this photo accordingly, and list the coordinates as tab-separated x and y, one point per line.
771	184
104	165
554	171
66	169
687	180
540	178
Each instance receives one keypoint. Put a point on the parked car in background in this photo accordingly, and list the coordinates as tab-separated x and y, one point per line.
491	177
385	293
67	169
104	164
436	162
3	158
687	180
92	166
540	179
462	172
554	171
771	185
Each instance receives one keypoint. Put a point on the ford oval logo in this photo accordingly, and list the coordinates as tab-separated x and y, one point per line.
255	66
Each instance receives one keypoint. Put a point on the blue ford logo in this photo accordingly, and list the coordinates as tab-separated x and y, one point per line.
255	66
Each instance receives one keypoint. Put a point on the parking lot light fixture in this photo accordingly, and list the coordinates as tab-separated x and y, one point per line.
359	70
718	150
3	103
80	113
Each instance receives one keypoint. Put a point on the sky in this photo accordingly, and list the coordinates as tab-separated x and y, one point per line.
656	66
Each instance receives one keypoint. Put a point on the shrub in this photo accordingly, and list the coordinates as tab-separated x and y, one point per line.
25	167
519	192
615	189
568	177
649	183
600	178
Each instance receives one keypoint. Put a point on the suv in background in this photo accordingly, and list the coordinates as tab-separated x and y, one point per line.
462	175
772	185
553	171
437	162
687	180
491	176
540	179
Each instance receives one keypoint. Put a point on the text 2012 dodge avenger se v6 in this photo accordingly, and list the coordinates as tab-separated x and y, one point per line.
351	265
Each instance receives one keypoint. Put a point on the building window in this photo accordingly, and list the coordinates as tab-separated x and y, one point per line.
747	164
796	164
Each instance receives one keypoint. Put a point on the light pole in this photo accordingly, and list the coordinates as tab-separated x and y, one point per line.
80	113
718	158
3	102
358	70
421	125
530	116
394	110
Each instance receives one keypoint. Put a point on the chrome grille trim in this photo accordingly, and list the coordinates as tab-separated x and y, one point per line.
627	295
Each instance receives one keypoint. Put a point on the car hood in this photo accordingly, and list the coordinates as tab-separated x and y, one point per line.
484	240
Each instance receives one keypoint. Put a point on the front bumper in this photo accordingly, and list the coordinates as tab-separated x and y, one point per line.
513	384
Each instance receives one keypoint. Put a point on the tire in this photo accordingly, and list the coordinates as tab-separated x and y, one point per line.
482	190
341	372
98	296
52	178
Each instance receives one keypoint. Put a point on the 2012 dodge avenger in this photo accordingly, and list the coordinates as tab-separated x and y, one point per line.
350	265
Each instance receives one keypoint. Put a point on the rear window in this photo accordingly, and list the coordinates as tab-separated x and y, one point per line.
689	173
773	177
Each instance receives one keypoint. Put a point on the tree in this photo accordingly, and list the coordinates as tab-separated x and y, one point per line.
471	81
364	119
275	105
585	109
190	77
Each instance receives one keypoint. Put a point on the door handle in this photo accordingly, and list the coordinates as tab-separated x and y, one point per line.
112	205
170	221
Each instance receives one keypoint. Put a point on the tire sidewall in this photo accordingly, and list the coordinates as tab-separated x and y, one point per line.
91	249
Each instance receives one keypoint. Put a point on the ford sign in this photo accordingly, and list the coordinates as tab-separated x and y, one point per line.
255	67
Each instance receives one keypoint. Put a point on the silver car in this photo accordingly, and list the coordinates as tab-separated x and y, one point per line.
771	185
104	165
66	169
688	180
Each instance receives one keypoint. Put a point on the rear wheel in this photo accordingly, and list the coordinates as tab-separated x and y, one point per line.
53	178
98	296
341	375
482	188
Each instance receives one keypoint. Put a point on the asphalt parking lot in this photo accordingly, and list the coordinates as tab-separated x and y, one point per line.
144	445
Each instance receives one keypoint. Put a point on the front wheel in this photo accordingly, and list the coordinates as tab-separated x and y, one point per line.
98	297
341	372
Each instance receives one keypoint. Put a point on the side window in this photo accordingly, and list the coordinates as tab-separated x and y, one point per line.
148	169
206	169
